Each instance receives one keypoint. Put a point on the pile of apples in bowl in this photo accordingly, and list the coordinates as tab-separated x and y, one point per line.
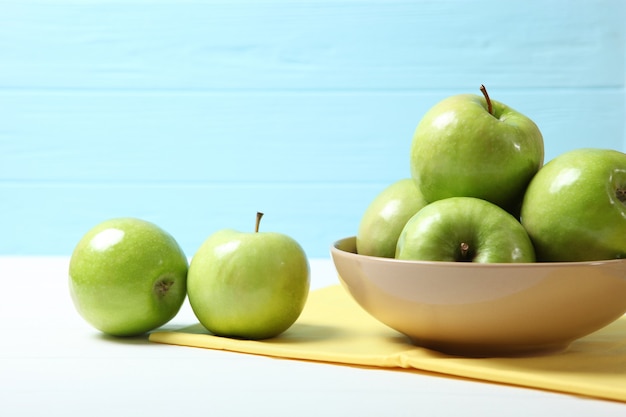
486	251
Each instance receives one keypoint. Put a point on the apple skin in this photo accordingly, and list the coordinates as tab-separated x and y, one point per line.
127	276
459	149
385	218
248	285
438	231
574	208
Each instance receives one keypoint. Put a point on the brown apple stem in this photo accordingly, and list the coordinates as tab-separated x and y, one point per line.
487	99
258	221
464	250
620	193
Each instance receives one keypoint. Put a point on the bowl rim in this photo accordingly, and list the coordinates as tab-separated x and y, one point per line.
335	249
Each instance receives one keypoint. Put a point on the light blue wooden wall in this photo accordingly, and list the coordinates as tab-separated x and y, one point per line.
196	114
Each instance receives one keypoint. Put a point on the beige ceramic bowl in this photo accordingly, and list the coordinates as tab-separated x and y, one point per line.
475	309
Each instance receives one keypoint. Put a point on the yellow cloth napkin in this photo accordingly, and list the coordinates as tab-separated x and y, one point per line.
333	328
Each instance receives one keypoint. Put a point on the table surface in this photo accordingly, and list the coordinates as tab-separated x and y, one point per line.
52	363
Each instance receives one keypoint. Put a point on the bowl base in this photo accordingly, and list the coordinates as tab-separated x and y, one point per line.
487	351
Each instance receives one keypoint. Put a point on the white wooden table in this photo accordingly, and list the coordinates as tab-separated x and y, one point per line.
53	364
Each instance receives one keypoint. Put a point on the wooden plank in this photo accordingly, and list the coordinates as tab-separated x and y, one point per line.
260	137
49	219
308	45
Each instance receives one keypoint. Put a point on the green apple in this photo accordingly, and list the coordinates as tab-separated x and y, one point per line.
127	276
471	146
464	229
574	208
248	285
385	217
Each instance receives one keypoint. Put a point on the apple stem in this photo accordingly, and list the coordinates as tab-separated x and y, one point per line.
483	90
258	221
620	193
464	250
